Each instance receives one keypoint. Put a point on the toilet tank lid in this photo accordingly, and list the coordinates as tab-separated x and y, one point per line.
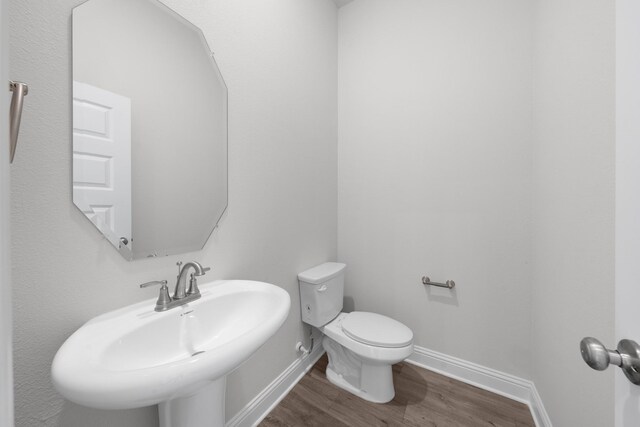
321	273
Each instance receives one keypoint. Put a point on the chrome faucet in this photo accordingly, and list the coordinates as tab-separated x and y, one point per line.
181	295
181	283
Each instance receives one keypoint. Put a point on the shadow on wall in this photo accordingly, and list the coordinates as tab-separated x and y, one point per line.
348	305
445	296
76	415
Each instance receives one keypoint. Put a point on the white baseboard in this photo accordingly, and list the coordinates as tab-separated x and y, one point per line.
489	379
540	415
263	403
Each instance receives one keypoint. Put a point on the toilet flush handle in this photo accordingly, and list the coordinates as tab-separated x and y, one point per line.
322	288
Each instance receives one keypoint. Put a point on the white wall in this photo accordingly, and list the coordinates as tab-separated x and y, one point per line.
434	171
573	206
279	61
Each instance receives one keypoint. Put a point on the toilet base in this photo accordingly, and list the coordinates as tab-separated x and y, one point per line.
339	381
369	380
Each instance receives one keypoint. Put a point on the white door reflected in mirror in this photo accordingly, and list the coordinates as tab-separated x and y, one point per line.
102	161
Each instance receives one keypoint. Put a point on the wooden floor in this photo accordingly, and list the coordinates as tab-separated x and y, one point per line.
423	398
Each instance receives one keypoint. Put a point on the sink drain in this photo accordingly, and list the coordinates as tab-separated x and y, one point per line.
197	353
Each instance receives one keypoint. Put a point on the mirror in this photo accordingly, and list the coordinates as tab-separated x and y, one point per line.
149	127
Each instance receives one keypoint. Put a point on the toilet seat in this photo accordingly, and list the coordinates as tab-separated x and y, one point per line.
376	330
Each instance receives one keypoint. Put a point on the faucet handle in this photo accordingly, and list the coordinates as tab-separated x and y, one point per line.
193	285
164	299
154	282
193	282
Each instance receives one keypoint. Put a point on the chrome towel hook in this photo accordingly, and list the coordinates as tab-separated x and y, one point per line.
20	90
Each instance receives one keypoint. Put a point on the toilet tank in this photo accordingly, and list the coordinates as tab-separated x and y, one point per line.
321	293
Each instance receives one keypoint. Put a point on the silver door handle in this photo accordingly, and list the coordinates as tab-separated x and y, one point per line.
626	356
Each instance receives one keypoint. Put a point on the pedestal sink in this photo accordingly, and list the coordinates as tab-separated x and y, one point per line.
178	359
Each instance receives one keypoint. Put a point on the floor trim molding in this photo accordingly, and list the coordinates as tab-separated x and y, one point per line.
267	399
480	376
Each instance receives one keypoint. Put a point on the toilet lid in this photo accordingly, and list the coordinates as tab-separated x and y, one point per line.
376	329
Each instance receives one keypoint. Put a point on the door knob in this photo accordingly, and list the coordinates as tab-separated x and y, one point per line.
626	356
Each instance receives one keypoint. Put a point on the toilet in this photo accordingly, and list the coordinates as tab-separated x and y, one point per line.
361	346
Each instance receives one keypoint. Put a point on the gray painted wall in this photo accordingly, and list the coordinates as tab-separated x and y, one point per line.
573	272
279	61
479	147
434	171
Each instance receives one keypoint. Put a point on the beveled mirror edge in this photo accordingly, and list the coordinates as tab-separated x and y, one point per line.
205	42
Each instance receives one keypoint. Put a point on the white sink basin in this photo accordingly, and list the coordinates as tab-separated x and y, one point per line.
135	356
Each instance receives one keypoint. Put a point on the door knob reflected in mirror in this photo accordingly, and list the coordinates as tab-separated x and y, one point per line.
626	356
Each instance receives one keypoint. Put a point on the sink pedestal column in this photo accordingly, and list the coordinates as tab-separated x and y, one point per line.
204	408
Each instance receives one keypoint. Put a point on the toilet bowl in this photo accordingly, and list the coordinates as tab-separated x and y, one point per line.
361	363
361	346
